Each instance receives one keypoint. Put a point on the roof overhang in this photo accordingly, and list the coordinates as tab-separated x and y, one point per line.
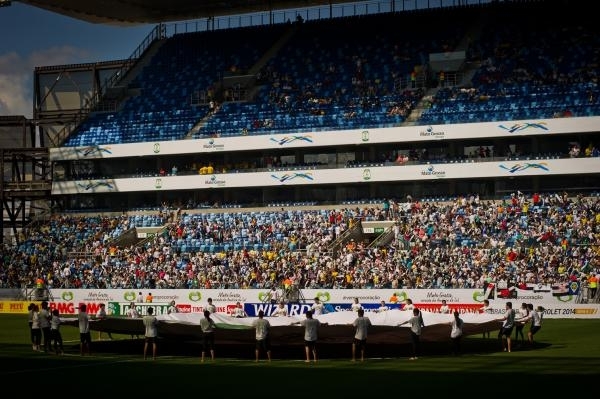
135	12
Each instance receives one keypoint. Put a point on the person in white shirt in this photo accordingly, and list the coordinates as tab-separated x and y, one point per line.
317	308
520	321
486	308
311	334
416	326
208	327
408	304
210	307
85	337
238	311
263	342
172	308
456	333
102	315
151	326
356	306
273	296
36	331
55	332
382	307
132	313
361	324
445	309
45	317
280	310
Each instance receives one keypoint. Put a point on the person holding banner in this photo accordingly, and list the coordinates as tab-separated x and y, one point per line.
151	332
416	326
486	308
208	327
508	323
361	324
263	342
520	322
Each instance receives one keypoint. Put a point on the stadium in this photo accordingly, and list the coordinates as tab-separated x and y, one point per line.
357	150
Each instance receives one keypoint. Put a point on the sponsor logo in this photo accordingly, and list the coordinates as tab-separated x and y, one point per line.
518	127
211	145
92	184
291	176
432	171
214	181
291	139
521	167
430	132
92	150
366	174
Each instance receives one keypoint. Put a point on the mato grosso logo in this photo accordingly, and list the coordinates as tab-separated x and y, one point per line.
432	171
431	132
211	145
214	181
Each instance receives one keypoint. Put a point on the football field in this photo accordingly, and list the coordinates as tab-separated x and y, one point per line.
566	352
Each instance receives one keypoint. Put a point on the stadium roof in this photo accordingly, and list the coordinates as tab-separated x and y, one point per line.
134	12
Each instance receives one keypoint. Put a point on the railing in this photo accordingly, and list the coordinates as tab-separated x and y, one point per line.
321	12
159	32
384	238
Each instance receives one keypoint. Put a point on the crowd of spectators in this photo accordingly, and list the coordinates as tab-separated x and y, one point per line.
464	243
